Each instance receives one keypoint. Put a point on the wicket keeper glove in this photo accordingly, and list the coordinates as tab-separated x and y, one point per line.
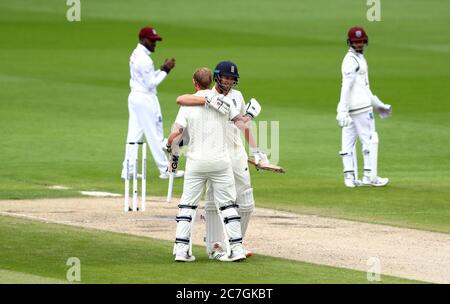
343	119
253	108
260	156
218	103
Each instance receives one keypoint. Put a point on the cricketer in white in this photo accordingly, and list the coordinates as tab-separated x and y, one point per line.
207	160
145	116
355	114
226	76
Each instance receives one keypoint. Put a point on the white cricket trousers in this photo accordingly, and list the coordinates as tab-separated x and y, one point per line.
244	199
241	178
362	128
145	118
224	198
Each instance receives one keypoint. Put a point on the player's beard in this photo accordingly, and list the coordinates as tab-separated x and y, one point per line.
224	89
359	50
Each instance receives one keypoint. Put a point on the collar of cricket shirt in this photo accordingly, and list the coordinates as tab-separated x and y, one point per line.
144	49
217	92
355	52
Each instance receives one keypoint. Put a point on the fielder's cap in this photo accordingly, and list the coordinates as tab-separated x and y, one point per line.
150	33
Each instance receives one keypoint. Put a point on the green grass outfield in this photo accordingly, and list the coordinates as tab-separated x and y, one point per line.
35	252
64	87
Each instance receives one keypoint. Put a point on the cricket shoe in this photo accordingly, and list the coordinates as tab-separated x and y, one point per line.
350	181
220	254
182	253
237	253
166	175
217	252
378	182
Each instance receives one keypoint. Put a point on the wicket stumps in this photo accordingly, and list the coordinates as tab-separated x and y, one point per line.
134	172
355	162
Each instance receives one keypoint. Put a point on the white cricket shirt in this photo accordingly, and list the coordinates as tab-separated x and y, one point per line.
355	92
143	77
234	134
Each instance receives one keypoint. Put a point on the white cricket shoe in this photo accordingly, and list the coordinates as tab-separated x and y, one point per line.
217	252
379	181
350	181
238	253
182	253
166	175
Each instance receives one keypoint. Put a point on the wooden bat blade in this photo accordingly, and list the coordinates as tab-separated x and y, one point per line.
266	166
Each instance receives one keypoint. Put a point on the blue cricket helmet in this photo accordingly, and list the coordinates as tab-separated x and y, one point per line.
226	68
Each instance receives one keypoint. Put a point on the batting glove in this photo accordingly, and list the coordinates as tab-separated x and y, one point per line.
384	111
260	156
253	108
343	119
218	103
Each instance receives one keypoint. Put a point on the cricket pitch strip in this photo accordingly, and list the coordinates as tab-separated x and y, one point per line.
407	253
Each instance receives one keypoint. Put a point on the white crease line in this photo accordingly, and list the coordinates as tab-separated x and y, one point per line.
33	217
100	194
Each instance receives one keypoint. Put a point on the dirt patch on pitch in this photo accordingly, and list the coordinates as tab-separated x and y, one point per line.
402	252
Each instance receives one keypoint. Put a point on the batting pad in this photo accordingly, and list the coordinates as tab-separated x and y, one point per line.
348	162
184	220
214	228
232	222
246	204
245	200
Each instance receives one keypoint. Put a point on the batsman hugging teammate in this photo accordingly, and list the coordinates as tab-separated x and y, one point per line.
226	77
208	160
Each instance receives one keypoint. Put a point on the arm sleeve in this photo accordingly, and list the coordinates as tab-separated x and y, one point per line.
181	119
349	69
376	102
151	77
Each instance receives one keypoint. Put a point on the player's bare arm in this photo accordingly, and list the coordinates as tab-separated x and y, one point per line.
175	135
217	102
191	100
